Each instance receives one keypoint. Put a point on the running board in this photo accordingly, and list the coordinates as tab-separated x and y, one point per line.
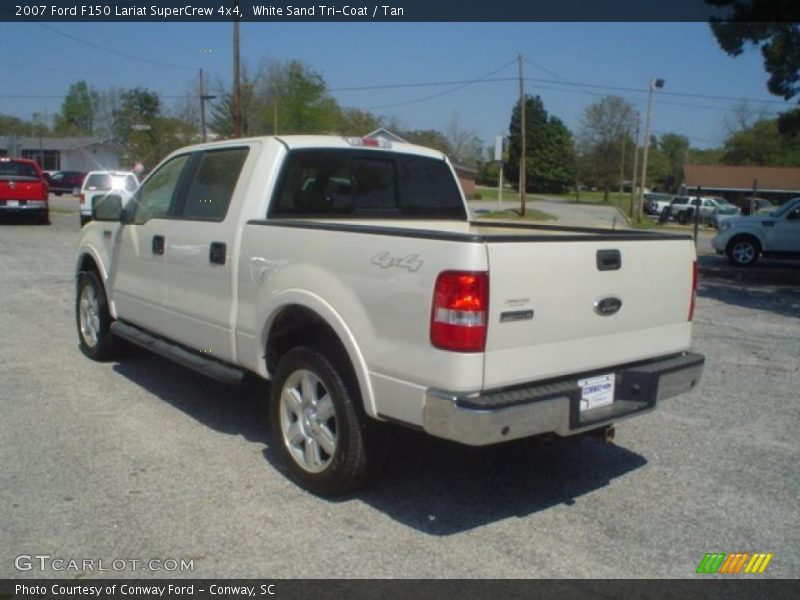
191	360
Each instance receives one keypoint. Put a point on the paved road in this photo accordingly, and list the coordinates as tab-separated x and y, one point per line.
142	459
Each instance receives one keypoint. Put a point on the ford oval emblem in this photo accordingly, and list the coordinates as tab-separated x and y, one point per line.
605	307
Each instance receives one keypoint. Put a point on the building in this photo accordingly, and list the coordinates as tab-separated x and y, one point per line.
734	183
64	153
466	175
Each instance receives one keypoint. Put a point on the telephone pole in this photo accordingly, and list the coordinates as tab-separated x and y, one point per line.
522	182
202	106
635	162
655	84
237	99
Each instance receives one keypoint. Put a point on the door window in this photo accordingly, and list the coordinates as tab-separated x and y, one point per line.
211	189
156	195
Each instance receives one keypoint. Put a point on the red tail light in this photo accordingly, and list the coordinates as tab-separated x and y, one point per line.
83	198
694	290
460	308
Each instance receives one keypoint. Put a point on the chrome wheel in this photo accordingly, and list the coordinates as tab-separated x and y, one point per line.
308	421
89	315
743	252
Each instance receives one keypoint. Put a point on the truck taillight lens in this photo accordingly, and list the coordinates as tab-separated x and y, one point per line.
694	290
83	198
460	308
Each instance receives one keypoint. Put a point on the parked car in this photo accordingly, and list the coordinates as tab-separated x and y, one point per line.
724	210
776	235
682	208
101	183
655	203
348	273
23	189
66	182
761	205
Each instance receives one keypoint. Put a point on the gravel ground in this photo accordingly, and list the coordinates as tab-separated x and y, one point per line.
143	459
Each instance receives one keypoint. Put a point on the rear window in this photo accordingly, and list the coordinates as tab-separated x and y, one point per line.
346	183
12	168
98	181
105	182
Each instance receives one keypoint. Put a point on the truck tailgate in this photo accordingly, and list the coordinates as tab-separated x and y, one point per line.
552	305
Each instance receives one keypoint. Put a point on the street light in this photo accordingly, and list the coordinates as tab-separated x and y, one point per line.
655	84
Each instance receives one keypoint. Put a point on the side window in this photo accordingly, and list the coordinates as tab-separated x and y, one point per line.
155	196
211	189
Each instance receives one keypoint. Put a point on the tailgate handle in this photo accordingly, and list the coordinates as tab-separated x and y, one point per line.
158	244
216	254
608	260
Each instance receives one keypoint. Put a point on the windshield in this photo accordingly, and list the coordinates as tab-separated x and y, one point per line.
779	212
12	168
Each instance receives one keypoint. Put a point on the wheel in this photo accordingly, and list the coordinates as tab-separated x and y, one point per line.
44	218
93	319
58	193
683	217
85	219
743	251
316	425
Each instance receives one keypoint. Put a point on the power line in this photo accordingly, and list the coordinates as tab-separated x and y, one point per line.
115	52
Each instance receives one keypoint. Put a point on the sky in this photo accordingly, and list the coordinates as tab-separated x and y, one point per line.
570	65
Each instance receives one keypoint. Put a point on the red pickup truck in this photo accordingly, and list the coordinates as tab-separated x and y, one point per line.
23	189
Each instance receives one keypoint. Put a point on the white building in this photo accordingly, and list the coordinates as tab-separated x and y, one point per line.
63	153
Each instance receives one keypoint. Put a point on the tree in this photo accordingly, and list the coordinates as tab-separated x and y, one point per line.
605	132
549	151
466	147
428	137
762	144
773	27
77	111
673	150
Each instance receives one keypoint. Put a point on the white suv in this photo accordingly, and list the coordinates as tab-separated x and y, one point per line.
100	183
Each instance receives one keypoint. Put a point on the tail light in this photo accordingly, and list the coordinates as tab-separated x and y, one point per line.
83	198
694	290
460	308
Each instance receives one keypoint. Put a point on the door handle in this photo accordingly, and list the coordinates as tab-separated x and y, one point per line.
216	253
158	244
608	260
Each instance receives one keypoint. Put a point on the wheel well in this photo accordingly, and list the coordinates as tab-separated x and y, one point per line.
87	264
296	326
745	236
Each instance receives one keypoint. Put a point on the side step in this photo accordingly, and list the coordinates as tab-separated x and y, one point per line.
192	360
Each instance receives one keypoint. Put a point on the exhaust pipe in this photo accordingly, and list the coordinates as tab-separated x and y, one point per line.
606	433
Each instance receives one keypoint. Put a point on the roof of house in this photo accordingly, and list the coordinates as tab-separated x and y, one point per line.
720	177
387	135
51	143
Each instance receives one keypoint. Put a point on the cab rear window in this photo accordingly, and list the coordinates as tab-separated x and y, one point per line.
347	183
15	169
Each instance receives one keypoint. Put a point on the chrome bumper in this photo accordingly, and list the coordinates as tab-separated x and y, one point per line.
24	206
554	407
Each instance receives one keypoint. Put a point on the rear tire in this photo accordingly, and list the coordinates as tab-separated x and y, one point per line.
44	218
94	319
743	251
316	421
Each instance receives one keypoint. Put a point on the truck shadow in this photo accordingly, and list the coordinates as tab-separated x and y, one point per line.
781	300
442	488
436	487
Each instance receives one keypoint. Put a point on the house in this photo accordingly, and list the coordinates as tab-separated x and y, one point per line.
64	153
466	175
734	183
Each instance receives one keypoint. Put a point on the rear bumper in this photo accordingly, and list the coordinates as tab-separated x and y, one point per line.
23	206
554	407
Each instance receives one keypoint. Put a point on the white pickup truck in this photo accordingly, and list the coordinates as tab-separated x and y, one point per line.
348	273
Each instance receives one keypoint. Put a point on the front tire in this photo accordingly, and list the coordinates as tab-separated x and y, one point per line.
94	319
743	251
316	425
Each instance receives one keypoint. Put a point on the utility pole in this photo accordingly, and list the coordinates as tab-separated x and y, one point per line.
654	84
237	99
522	182
202	106
622	163
635	162
753	197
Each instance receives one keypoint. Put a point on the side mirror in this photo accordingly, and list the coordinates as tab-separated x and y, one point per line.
107	208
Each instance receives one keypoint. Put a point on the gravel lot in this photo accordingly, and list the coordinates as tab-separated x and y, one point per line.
145	460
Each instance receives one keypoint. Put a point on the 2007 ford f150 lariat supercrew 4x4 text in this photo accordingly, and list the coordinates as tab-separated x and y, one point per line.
348	273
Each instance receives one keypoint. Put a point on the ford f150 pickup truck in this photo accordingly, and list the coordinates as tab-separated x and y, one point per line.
347	271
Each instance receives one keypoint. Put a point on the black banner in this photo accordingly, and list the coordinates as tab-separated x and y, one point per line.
277	11
282	589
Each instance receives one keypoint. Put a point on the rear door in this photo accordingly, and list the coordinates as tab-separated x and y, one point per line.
139	284
786	233
201	252
564	306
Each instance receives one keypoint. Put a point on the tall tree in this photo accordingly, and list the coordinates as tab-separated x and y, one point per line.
762	144
465	146
605	133
77	110
674	149
549	152
774	27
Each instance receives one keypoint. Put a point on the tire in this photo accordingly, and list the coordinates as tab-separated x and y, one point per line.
85	220
683	217
44	218
316	421
743	251
93	319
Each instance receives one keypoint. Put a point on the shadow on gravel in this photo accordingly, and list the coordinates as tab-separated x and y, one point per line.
442	488
231	409
783	301
437	487
765	272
